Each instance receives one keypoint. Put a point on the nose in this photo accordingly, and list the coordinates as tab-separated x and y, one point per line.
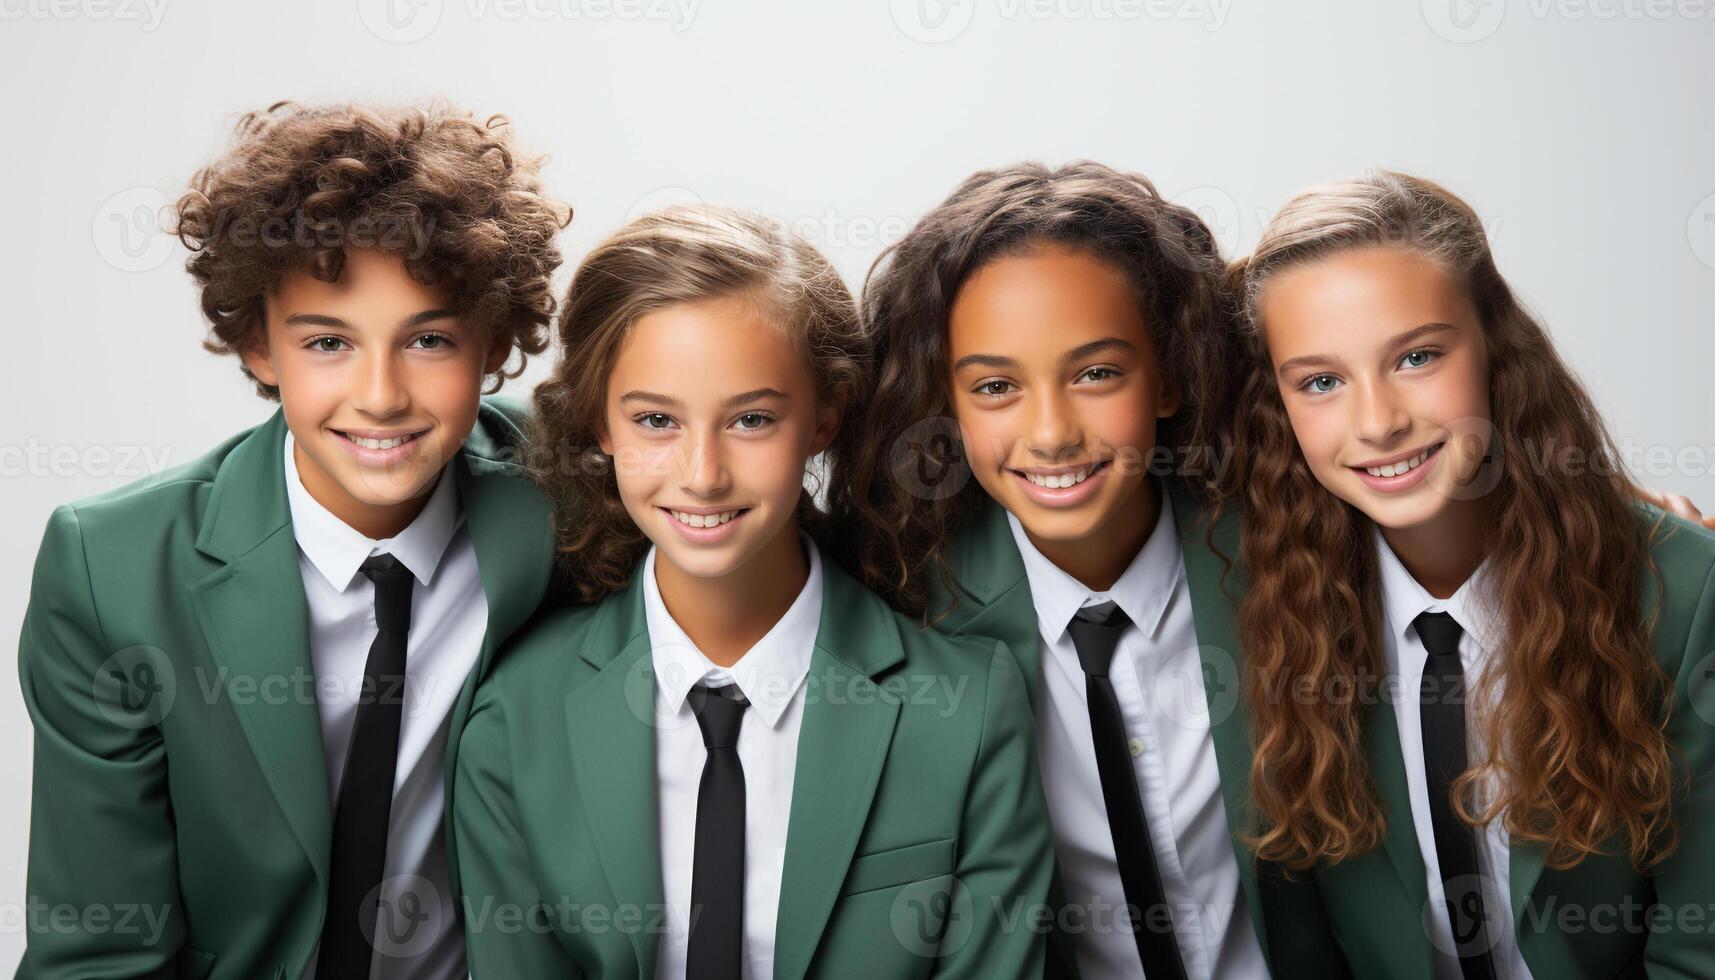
1381	416
381	392
1053	430
702	469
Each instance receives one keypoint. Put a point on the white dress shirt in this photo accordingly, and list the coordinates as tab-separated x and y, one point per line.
416	929
1403	599
1157	673
771	676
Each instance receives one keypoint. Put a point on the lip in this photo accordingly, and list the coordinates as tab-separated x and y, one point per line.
1403	481
379	457
1070	496
705	535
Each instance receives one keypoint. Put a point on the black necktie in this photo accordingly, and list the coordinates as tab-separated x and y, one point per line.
1442	714
715	951
366	787
1095	633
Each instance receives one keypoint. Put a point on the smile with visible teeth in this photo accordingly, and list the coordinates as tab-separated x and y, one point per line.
390	443
705	520
1060	481
1403	466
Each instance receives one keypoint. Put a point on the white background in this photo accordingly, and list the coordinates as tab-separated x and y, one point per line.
1581	131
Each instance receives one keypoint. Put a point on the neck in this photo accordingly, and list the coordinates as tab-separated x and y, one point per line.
1098	561
1442	554
374	521
725	616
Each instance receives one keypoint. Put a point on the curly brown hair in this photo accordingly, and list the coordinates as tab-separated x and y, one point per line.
894	534
1577	748
451	195
679	255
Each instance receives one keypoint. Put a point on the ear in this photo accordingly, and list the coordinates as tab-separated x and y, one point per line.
498	352
257	358
829	415
602	438
1167	399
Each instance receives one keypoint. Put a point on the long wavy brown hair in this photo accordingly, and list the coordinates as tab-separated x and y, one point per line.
1578	761
895	526
679	255
454	196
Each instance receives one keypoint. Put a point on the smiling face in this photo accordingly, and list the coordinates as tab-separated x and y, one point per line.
711	417
1057	389
1383	368
379	383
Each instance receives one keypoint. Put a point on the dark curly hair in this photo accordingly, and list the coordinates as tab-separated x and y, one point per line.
680	255
893	533
449	194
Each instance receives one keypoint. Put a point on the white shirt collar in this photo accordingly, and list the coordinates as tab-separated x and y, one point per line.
1142	591
337	549
768	674
1404	599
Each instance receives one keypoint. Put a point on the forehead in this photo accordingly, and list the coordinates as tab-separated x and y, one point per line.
1360	296
1042	302
370	280
708	348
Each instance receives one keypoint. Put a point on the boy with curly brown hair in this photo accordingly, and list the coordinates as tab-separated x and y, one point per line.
248	675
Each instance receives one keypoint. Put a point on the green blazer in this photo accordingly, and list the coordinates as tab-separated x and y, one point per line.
1376	901
992	599
905	804
180	820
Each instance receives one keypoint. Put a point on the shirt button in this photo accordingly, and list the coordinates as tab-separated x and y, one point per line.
1135	745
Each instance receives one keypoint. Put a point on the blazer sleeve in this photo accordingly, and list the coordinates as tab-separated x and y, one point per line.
1680	949
102	843
505	922
1006	852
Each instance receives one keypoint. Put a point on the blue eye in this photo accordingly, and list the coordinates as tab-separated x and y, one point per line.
1321	384
1418	358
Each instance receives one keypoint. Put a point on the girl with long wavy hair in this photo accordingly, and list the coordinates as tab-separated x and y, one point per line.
736	756
1479	671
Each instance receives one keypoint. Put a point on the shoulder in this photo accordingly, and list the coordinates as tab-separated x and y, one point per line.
165	491
1679	586
544	654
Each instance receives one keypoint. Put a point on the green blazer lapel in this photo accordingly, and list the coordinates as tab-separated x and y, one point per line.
255	620
993	593
842	749
1214	597
610	721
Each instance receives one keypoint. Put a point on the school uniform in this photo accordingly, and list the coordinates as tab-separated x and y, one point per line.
195	658
1389	906
1175	681
892	824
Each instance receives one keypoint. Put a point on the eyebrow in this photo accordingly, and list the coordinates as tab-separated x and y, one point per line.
1075	354
323	320
656	398
1404	339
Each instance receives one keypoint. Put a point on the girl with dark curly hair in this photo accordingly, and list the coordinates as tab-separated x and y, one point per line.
1480	673
1060	336
247	673
733	747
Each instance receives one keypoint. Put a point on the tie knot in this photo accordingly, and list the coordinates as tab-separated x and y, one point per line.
1095	635
719	711
1440	633
393	583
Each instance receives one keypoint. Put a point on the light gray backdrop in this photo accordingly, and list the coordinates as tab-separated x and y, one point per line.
1580	129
